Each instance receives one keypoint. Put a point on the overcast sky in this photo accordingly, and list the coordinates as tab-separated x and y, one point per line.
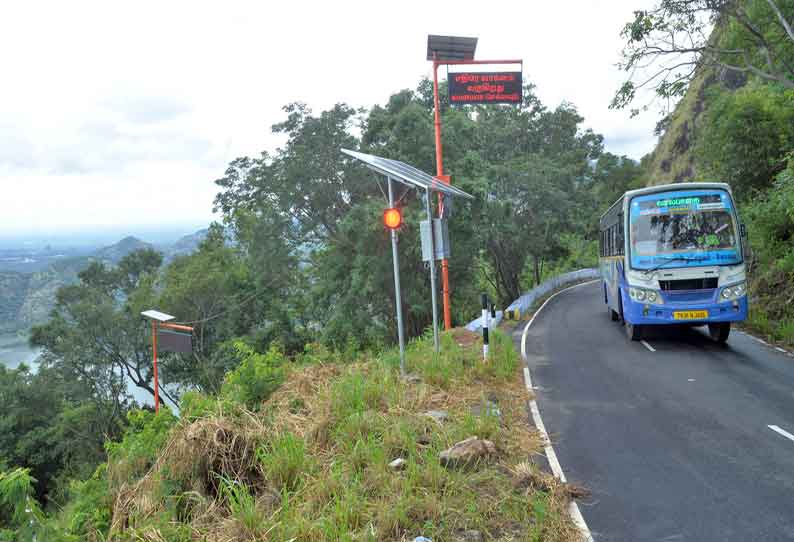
115	114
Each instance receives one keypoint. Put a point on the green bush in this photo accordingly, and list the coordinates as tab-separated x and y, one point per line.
745	137
21	518
194	405
771	228
284	460
90	506
257	376
144	438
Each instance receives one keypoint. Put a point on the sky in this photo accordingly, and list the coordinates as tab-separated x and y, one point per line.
115	114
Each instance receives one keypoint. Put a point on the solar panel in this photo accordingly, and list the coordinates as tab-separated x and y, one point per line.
450	48
406	174
157	315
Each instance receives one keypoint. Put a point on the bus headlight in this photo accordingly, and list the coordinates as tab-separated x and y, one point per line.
734	291
642	295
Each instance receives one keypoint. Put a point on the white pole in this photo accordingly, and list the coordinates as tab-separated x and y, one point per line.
432	270
397	296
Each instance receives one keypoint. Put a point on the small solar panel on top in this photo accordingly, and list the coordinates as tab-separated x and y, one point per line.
450	48
406	174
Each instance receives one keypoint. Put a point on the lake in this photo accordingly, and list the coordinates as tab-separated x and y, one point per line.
14	350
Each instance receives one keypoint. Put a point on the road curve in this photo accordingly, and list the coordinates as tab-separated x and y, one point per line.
675	443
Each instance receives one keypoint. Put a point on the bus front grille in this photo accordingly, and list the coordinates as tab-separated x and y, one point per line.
709	283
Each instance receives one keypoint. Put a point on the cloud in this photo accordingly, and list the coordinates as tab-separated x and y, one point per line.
105	103
110	141
149	109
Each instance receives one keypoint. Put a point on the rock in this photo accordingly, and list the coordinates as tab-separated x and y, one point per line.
398	464
438	415
467	452
490	408
412	379
470	536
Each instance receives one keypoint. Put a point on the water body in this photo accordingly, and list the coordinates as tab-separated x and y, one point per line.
14	350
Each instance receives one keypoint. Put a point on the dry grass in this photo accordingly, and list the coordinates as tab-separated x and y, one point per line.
312	464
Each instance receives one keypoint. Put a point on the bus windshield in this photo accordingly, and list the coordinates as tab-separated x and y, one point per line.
683	229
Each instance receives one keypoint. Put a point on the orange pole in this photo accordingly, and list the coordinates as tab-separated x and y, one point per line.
440	166
154	355
176	326
440	175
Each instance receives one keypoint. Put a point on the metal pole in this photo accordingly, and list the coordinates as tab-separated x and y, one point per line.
432	270
154	355
397	296
440	174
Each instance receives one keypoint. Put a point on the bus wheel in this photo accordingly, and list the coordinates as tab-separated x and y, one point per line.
719	332
633	331
613	315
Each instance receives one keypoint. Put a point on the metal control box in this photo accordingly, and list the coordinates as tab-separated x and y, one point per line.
440	237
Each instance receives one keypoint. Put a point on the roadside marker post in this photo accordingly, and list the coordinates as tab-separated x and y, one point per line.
485	314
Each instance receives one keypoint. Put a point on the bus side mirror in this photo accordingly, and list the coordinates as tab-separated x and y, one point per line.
743	230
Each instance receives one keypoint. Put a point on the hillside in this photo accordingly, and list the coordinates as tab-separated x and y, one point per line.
673	159
323	448
114	253
26	299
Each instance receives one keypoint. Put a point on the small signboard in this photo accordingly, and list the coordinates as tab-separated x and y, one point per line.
485	88
169	340
440	240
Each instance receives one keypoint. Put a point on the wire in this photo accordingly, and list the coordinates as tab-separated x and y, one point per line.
219	314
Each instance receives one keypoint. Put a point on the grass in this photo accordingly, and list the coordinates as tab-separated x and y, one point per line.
311	463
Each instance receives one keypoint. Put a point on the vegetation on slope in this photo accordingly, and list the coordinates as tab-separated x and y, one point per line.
309	459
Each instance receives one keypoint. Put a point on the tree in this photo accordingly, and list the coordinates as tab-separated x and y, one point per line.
96	334
746	137
53	426
667	44
223	294
536	162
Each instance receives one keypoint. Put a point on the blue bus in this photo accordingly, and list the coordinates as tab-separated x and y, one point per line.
674	254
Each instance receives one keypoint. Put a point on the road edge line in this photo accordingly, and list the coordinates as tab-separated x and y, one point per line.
548	449
777	429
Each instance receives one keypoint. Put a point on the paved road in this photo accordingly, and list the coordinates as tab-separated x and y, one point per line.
674	444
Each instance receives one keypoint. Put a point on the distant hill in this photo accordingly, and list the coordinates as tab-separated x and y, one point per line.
186	245
26	299
114	253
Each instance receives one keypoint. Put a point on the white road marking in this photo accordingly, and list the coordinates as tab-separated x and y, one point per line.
554	463
690	380
781	350
524	335
780	431
648	346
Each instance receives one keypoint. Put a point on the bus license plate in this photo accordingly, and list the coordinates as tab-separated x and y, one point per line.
690	315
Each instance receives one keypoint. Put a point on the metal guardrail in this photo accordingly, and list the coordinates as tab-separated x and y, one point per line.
524	303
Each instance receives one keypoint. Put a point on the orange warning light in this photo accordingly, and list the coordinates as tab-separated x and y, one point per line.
392	218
